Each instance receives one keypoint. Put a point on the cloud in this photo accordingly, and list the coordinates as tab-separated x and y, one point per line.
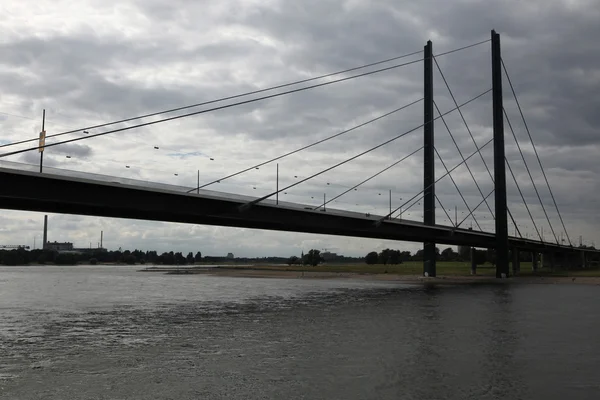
107	62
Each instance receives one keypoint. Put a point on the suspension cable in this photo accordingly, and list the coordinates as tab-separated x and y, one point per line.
463	48
529	173
411	206
476	207
536	153
369	178
437	180
463	157
253	202
307	146
514	222
445	211
212	109
523	197
220	99
246	93
473	139
456	186
462	116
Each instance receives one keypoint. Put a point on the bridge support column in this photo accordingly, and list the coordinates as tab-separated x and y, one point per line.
45	232
583	260
571	257
534	261
499	162
429	253
473	262
516	262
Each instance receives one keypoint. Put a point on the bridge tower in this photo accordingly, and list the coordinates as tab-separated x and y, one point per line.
429	254
502	258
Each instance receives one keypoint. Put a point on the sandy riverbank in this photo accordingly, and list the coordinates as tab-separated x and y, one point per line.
411	279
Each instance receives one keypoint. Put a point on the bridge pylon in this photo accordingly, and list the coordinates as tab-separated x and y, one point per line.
429	253
502	257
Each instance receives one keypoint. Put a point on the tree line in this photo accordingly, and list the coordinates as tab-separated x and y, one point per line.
93	256
481	256
390	256
38	256
313	257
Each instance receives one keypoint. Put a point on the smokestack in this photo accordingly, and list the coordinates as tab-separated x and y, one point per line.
101	237
45	231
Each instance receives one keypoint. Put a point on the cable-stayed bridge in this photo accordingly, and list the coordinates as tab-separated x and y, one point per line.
64	191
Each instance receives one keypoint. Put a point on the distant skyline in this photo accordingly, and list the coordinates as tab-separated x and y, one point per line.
91	62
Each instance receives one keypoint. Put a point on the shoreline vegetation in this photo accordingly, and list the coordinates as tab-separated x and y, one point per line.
387	265
410	272
449	273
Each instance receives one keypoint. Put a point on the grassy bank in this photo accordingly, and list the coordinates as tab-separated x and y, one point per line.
416	268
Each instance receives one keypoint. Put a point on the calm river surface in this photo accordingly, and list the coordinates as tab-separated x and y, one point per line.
113	333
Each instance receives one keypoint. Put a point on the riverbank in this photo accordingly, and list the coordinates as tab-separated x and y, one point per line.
447	274
416	279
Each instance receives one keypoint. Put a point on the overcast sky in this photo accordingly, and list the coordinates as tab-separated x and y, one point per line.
90	62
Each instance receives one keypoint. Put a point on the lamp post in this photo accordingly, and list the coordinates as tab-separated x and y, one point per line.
42	140
455	216
390	204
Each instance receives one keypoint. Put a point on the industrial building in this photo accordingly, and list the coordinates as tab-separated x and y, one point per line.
68	246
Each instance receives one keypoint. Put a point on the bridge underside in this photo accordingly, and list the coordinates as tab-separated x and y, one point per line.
30	191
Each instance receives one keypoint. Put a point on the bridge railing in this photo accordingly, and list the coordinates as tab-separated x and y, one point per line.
140	183
94	176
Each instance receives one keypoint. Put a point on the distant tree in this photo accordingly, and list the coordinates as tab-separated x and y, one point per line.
12	257
198	257
102	256
129	259
292	260
448	255
313	257
46	256
151	257
405	256
418	256
395	257
480	256
384	256
139	255
65	259
166	259
190	258
372	258
464	252
179	259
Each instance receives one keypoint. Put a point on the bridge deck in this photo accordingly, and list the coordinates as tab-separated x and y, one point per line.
119	198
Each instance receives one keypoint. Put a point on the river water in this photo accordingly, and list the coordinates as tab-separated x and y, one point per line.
99	332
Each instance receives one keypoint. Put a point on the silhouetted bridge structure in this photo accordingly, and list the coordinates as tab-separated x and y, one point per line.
97	195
